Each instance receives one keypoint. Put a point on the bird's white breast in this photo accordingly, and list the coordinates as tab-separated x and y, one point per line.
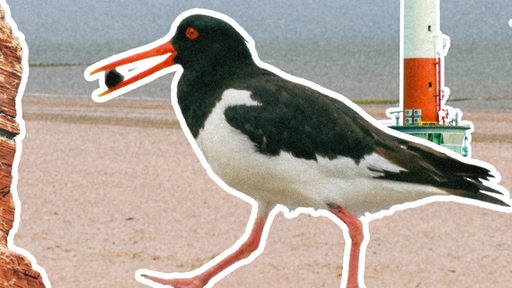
296	182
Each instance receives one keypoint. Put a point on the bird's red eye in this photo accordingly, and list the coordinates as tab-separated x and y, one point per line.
191	33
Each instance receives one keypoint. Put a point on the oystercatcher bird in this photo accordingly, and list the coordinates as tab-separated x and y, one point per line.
288	143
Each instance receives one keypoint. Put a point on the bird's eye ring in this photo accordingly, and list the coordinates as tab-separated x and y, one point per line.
191	33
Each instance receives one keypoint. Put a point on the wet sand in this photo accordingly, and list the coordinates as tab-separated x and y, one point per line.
109	188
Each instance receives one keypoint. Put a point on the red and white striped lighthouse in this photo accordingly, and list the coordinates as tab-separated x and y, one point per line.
422	112
423	51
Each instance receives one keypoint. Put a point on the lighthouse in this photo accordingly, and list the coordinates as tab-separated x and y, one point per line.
424	48
423	94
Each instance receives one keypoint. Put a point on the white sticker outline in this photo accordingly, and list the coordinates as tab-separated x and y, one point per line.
493	183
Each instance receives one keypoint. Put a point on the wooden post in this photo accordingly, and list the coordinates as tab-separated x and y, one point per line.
15	269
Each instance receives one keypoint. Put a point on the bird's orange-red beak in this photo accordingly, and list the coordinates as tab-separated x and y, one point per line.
163	49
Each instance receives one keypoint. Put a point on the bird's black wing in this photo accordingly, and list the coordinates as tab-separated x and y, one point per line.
299	120
304	122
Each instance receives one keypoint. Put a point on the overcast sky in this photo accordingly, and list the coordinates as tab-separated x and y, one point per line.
80	20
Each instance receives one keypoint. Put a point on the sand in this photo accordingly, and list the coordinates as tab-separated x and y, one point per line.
109	188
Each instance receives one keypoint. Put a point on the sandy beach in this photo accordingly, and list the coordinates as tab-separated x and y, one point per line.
109	188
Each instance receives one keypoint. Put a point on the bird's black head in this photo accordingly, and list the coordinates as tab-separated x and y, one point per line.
208	44
206	47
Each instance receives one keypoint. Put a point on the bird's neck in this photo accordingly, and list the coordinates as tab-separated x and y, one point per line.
199	92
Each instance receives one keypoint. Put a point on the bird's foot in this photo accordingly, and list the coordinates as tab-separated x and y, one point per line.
192	282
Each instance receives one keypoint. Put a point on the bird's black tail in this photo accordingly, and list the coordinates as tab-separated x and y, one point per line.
462	179
425	165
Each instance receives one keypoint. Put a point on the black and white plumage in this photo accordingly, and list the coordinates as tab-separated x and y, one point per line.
283	140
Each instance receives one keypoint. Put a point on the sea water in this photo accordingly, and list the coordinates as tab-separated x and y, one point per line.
351	47
361	70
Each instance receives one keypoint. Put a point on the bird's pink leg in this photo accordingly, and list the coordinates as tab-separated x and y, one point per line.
250	245
355	230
